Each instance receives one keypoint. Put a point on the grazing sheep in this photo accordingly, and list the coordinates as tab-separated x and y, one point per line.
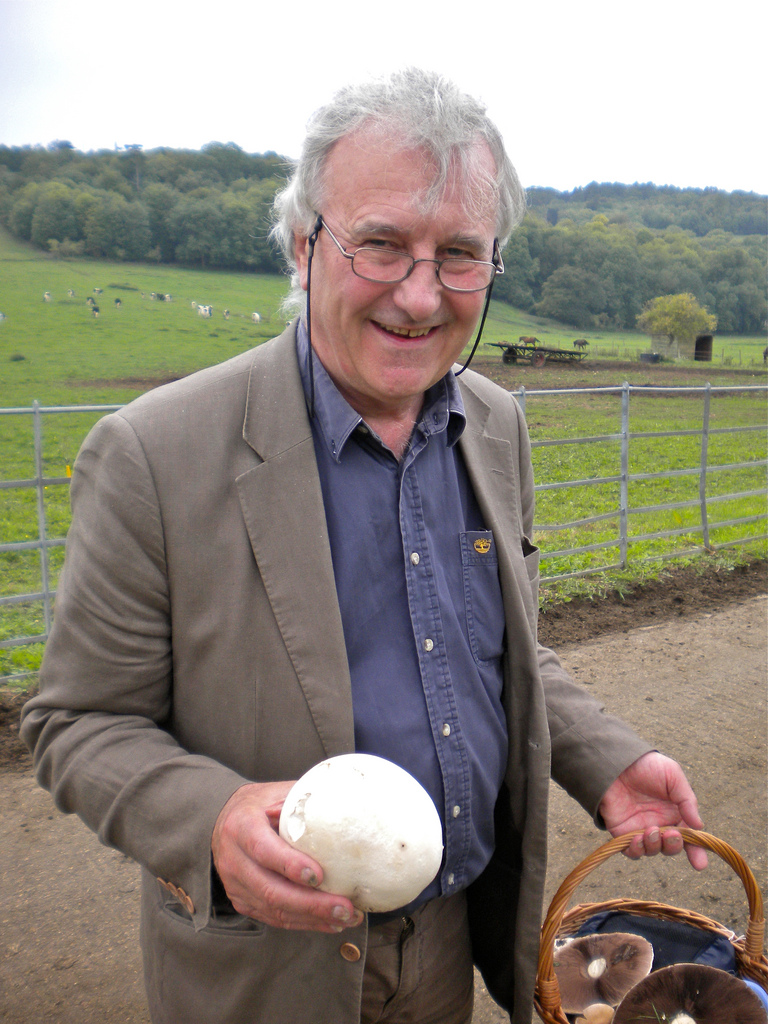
166	298
47	297
256	318
97	291
226	314
71	293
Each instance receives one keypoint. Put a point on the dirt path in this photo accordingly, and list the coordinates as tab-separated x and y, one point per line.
685	666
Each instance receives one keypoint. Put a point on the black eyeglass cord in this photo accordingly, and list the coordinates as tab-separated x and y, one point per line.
310	367
480	330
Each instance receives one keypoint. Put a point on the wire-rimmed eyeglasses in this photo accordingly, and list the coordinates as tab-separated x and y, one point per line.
389	258
390	266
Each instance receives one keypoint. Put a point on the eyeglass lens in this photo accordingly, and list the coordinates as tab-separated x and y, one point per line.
388	266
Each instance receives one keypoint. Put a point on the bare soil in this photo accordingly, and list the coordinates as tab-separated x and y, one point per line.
584	373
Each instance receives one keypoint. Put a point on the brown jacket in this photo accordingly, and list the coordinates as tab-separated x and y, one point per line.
197	644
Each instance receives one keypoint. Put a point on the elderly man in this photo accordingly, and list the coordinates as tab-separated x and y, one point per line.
320	546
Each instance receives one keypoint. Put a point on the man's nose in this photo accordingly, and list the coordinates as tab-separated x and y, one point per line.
420	294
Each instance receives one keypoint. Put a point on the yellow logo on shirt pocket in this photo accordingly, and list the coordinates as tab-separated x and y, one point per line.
482	545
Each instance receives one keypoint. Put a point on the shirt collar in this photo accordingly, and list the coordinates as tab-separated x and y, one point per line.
336	420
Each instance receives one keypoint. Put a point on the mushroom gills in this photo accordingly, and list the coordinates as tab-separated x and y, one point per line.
691	994
600	968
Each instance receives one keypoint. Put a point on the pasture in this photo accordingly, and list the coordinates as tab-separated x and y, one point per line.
59	353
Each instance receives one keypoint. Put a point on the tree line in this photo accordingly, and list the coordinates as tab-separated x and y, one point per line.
208	207
589	258
699	210
602	273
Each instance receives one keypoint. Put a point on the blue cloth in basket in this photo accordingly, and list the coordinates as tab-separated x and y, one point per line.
674	942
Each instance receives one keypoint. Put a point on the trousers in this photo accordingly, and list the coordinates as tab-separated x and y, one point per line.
418	969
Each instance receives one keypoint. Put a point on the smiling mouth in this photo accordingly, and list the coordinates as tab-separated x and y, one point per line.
403	332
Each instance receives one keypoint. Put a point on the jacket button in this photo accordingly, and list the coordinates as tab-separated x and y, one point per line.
350	952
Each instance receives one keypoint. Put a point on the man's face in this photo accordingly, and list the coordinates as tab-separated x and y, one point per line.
385	344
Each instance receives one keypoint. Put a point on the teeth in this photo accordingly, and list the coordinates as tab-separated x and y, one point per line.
407	334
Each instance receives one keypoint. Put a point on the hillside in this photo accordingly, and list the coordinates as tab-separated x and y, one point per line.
591	258
657	207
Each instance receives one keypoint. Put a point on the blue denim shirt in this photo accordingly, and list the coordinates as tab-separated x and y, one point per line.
418	586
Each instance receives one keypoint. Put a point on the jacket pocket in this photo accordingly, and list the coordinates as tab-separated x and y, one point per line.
226	922
532	558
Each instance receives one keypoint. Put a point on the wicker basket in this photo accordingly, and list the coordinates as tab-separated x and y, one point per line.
559	923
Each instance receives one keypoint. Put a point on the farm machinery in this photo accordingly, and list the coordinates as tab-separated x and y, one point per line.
528	350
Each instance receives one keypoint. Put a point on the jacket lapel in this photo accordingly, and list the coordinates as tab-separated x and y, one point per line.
282	505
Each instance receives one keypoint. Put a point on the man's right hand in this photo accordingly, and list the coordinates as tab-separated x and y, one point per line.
264	877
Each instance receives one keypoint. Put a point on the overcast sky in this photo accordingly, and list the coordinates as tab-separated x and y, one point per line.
668	91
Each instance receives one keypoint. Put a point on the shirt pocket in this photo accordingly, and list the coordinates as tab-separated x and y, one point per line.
482	595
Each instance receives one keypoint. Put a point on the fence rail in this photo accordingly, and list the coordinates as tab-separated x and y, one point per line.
623	437
703	469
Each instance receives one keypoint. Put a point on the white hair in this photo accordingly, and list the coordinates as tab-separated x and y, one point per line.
416	110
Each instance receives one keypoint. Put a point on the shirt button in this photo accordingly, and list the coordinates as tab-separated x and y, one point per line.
350	952
446	729
428	645
456	810
415	559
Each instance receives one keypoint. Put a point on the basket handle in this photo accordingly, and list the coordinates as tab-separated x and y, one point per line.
753	945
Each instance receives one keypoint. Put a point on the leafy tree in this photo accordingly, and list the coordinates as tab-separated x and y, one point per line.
677	317
623	282
160	201
117	229
520	271
54	216
198	228
572	296
23	210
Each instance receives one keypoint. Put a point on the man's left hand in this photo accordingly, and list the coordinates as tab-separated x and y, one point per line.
651	794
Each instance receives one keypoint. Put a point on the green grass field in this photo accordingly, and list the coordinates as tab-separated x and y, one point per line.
59	354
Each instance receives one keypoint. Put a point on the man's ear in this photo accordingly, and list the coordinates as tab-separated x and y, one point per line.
301	255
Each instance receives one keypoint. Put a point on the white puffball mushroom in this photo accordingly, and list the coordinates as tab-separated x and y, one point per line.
370	825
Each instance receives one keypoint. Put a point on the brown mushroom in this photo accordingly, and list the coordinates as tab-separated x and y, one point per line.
691	994
600	968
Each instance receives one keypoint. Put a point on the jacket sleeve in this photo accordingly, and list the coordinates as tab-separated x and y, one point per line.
99	726
589	748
